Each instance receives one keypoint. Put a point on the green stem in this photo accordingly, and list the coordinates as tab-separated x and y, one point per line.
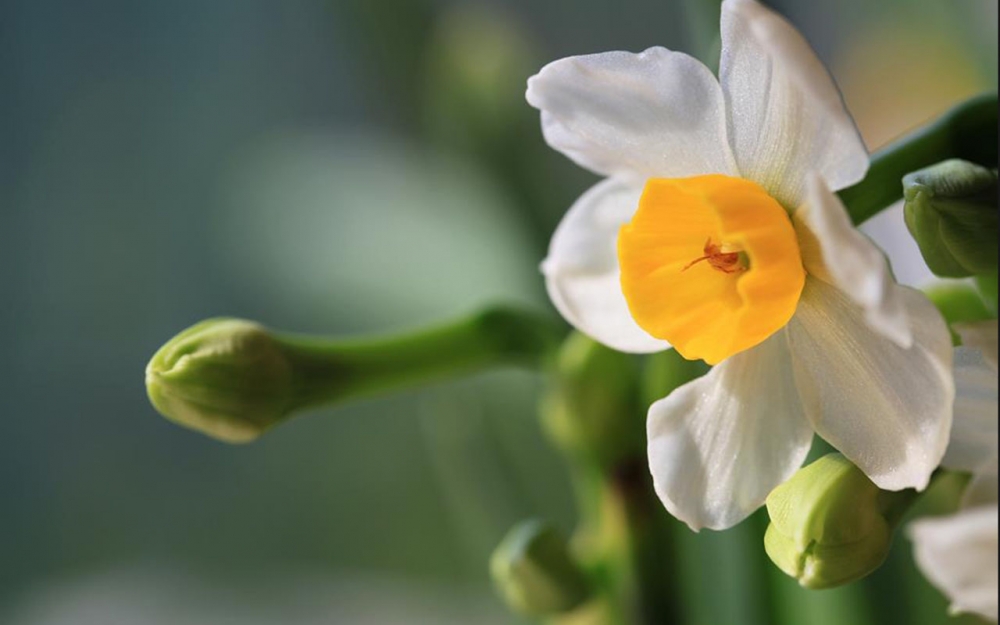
967	131
626	540
594	414
233	379
334	370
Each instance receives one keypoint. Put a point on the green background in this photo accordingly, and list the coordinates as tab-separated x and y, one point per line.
336	167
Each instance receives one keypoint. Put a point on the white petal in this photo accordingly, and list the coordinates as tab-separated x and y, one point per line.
886	408
718	445
958	554
973	441
653	114
582	273
834	251
981	335
887	230
982	490
786	116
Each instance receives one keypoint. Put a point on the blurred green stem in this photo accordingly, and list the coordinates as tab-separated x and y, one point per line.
702	20
967	131
625	539
333	370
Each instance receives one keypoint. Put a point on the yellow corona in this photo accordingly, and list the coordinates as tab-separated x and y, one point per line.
710	264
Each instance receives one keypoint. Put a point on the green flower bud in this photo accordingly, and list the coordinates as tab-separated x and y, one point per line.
228	378
233	379
951	210
592	410
535	573
830	524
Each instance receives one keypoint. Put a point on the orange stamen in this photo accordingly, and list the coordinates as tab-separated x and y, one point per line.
726	262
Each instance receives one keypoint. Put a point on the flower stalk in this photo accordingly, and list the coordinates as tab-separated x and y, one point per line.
594	414
233	379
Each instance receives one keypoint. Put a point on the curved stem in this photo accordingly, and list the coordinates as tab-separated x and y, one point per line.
333	370
967	131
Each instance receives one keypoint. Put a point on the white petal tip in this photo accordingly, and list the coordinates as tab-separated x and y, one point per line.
902	480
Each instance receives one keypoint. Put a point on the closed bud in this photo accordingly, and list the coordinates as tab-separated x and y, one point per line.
591	409
951	210
228	378
535	573
828	526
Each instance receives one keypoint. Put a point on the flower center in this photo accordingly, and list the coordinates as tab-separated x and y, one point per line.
710	264
726	262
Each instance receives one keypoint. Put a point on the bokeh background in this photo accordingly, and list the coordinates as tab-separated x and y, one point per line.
338	167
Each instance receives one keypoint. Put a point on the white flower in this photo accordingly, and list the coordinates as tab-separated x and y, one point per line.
958	552
717	231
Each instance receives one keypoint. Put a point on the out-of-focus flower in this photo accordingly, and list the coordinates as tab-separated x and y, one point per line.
973	445
958	552
717	232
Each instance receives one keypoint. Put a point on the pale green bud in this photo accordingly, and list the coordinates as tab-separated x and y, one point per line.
829	524
535	573
228	378
951	210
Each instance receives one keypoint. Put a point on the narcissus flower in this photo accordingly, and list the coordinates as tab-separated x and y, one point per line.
958	552
717	232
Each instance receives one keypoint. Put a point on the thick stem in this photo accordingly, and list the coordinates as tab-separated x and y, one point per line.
967	131
595	416
626	540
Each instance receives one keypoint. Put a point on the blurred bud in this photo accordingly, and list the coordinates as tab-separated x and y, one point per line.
827	524
476	66
228	378
592	408
535	573
951	211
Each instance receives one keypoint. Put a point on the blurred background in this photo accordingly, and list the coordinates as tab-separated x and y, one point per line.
339	167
